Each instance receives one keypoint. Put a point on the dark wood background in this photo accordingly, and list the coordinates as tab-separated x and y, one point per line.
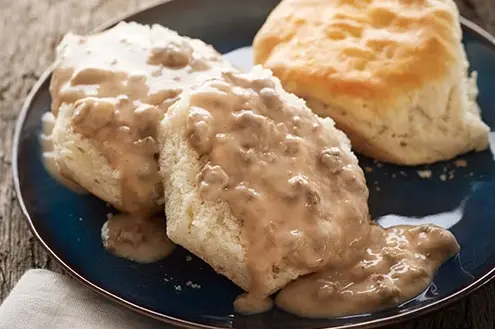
29	33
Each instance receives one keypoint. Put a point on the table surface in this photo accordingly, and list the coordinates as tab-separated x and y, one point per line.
29	33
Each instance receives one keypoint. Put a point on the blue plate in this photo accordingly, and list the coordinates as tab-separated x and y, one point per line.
68	225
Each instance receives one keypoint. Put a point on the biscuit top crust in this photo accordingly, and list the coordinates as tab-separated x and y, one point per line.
376	50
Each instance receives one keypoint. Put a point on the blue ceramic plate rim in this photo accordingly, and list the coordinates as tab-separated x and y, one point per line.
407	315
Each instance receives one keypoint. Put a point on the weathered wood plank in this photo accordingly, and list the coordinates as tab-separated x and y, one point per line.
29	32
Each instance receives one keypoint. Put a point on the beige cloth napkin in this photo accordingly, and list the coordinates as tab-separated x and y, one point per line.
45	300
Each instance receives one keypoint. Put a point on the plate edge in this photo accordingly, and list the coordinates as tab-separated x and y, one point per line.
393	319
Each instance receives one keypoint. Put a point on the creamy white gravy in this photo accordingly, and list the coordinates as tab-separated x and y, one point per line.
120	82
248	304
243	58
302	199
299	192
397	264
138	238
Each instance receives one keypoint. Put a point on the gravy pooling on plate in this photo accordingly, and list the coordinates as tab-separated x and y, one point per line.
396	264
142	239
303	200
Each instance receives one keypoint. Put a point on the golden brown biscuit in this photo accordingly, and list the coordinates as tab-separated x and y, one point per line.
391	73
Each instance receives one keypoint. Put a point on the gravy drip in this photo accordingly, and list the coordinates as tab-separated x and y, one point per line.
48	155
120	83
397	265
141	239
248	304
296	187
302	200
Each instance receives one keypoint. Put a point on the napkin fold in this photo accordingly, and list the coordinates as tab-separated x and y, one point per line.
45	300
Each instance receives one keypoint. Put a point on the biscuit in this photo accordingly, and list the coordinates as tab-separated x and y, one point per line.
80	161
392	74
209	228
131	68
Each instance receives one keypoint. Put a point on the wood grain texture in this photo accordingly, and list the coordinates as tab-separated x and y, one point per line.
29	33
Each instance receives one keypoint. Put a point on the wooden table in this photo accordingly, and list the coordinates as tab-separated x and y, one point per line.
29	33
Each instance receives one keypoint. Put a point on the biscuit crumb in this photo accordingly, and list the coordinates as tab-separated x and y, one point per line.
80	219
403	173
368	169
193	285
451	175
378	164
178	287
424	174
461	163
443	177
471	174
378	188
393	175
188	258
